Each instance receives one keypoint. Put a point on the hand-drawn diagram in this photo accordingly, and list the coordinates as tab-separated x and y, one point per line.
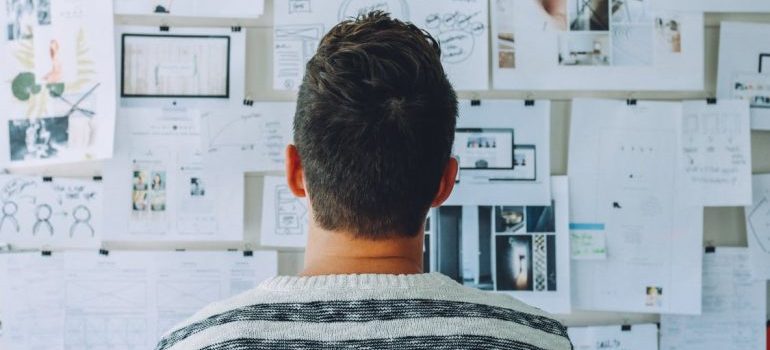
240	132
759	224
457	33
50	211
290	213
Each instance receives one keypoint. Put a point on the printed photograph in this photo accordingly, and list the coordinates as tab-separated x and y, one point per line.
632	45
139	201
158	191
509	219
140	180
668	35
42	138
506	56
21	17
514	263
588	15
196	187
584	49
43	12
654	297
555	12
541	219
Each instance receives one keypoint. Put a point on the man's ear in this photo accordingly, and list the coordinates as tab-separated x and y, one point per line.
447	183
295	176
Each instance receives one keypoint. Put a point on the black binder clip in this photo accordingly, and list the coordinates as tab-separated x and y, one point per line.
248	253
47	179
97	178
45	253
248	102
475	103
625	328
711	101
180	250
164	28
529	103
104	252
235	29
631	102
711	249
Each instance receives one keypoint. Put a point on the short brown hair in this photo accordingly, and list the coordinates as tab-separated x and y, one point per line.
374	126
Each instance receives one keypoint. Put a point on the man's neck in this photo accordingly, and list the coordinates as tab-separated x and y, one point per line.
336	253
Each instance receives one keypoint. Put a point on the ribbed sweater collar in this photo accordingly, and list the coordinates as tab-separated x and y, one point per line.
366	281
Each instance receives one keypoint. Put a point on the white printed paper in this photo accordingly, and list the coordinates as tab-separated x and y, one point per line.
503	148
248	138
58	82
39	212
285	217
158	187
124	300
191	8
716	153
624	179
734	306
521	250
632	337
758	227
594	45
744	68
713	5
180	67
460	27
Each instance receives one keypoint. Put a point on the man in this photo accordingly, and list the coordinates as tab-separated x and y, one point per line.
374	129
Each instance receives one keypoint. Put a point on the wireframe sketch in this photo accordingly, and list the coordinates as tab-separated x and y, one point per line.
82	223
290	214
175	66
43	214
294	45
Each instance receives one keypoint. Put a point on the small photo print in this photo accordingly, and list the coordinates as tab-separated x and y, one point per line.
584	49
588	15
43	12
139	194
506	50
514	263
509	219
158	181
140	180
158	191
37	139
541	219
22	18
196	187
654	297
668	35
139	200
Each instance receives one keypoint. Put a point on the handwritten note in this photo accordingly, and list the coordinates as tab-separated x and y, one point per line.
588	241
716	153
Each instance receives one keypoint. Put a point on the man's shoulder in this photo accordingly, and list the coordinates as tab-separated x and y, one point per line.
424	315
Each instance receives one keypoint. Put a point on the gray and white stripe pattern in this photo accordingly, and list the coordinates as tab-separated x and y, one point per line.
361	312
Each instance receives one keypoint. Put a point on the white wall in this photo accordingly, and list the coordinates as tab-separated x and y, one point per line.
723	226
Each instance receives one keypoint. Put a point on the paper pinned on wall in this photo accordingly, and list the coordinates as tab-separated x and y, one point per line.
734	306
159	187
191	8
712	5
521	250
594	45
744	68
285	218
636	337
248	138
180	67
503	148
37	212
716	153
461	27
587	241
58	82
758	227
124	300
623	175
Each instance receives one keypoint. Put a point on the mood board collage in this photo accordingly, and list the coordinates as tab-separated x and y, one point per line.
164	112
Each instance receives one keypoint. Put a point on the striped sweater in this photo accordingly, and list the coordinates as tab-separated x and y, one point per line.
428	311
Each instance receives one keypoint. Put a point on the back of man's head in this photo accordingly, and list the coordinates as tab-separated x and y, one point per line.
374	127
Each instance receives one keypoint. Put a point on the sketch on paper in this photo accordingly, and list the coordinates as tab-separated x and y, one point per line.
175	66
285	218
57	82
460	27
53	212
290	213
